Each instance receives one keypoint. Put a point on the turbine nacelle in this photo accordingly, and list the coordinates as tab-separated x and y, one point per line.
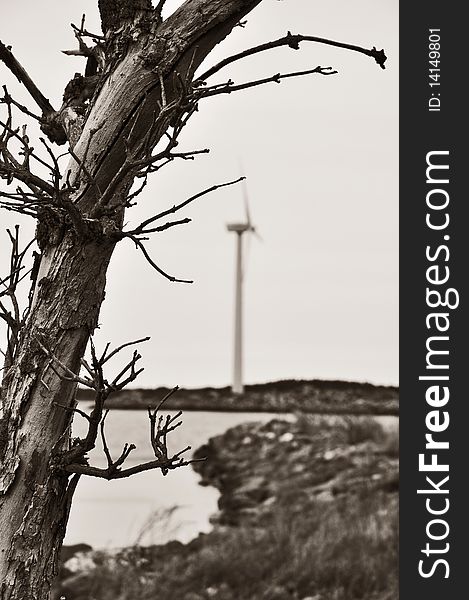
240	227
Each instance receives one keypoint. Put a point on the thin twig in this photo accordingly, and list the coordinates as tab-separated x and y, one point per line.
230	87
171	278
73	409
7	98
177	207
159	229
69	375
104	358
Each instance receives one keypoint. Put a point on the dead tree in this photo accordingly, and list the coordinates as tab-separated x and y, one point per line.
120	122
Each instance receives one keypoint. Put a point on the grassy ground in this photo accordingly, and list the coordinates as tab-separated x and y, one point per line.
290	542
345	552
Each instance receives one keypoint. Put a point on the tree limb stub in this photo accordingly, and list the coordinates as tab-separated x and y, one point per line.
50	125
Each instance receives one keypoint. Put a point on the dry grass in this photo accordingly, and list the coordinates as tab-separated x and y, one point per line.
350	430
342	551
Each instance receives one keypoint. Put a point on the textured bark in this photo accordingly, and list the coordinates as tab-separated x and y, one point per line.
115	12
34	492
34	508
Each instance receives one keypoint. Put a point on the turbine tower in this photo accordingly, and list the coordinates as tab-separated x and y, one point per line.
239	228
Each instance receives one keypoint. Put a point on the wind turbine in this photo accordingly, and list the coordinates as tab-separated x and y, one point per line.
239	228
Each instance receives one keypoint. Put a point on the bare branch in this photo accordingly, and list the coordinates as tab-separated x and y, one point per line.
7	98
83	49
103	439
82	167
10	167
117	384
138	231
96	419
125	453
293	41
177	207
166	398
73	409
8	293
67	374
27	177
74	460
105	357
229	87
139	245
7	57
84	33
159	6
169	465
167	154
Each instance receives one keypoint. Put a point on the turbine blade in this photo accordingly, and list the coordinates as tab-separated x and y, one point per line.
256	234
246	203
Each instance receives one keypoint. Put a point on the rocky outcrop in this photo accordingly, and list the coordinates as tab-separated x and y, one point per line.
294	495
260	468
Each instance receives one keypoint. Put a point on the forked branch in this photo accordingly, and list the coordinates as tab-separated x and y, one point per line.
75	460
10	311
143	227
136	235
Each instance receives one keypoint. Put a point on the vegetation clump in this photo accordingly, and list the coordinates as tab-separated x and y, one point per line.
308	510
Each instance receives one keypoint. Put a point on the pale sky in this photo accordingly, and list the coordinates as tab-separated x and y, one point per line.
321	158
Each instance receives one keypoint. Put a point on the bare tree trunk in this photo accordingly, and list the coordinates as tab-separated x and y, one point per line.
34	511
35	493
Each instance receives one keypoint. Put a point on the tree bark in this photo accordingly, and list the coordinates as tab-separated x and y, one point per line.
33	512
115	12
35	494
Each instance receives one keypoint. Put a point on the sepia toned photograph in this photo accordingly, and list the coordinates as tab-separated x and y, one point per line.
199	300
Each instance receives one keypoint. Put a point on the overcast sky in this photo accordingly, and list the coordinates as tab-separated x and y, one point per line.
320	155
